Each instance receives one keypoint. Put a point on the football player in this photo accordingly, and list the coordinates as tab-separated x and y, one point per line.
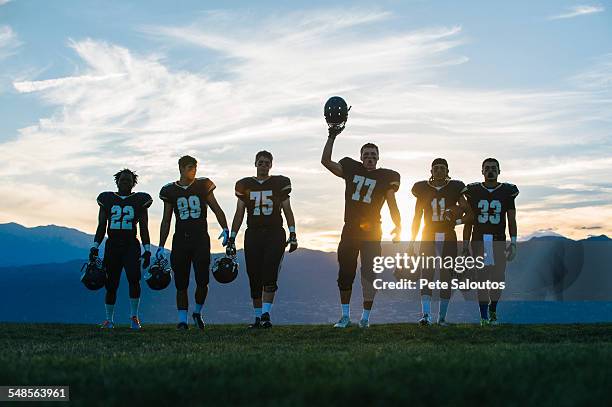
188	198
439	201
366	190
491	202
119	214
263	197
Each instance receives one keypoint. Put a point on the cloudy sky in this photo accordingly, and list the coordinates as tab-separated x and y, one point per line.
89	87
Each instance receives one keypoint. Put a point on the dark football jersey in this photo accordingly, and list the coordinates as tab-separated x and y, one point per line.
435	200
189	204
365	193
263	199
123	213
489	207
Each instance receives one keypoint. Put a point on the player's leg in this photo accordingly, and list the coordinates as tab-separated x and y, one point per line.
482	275
201	265
348	250
274	250
113	262
446	275
132	272
254	266
498	275
180	259
368	250
427	273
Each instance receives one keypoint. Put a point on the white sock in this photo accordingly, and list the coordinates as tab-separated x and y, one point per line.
267	307
110	311
366	314
198	308
346	310
426	304
134	303
182	315
443	308
257	312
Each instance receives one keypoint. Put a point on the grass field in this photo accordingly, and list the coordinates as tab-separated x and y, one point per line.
560	365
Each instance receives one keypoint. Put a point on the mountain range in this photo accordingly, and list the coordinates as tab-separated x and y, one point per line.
553	279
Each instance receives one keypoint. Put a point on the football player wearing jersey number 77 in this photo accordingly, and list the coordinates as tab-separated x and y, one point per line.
491	203
121	211
263	197
188	198
366	190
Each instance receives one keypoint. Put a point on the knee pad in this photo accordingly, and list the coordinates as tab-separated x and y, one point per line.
270	288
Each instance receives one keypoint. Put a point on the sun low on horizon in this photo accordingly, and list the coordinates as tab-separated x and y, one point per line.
138	85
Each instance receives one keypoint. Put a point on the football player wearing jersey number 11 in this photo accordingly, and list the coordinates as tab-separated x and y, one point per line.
366	190
263	198
188	198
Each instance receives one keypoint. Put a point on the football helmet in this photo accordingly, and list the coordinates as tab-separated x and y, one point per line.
93	274
336	113
225	269
159	275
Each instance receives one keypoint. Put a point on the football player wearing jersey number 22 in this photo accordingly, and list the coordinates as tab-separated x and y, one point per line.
188	198
366	190
121	211
263	198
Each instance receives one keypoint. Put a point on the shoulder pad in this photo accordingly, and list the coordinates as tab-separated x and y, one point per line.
514	191
418	188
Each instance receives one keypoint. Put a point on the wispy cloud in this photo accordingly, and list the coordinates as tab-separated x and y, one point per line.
264	88
577	11
9	42
3	2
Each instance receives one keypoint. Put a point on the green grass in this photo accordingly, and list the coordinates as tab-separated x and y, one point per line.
553	365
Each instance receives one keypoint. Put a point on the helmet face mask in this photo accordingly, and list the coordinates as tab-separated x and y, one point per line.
336	112
159	275
225	269
93	274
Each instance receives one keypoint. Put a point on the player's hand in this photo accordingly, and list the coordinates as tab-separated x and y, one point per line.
397	234
334	131
230	249
292	242
93	253
160	253
146	259
511	252
225	236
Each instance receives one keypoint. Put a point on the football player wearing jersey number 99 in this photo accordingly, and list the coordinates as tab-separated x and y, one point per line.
188	198
366	190
263	197
491	202
119	213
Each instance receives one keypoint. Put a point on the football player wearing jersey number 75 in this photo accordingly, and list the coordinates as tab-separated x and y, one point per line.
491	203
188	198
366	190
120	211
263	197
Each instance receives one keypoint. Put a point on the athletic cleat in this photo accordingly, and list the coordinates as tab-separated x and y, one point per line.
344	322
256	324
135	323
265	320
364	323
182	326
199	321
442	322
425	320
107	324
484	322
493	318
